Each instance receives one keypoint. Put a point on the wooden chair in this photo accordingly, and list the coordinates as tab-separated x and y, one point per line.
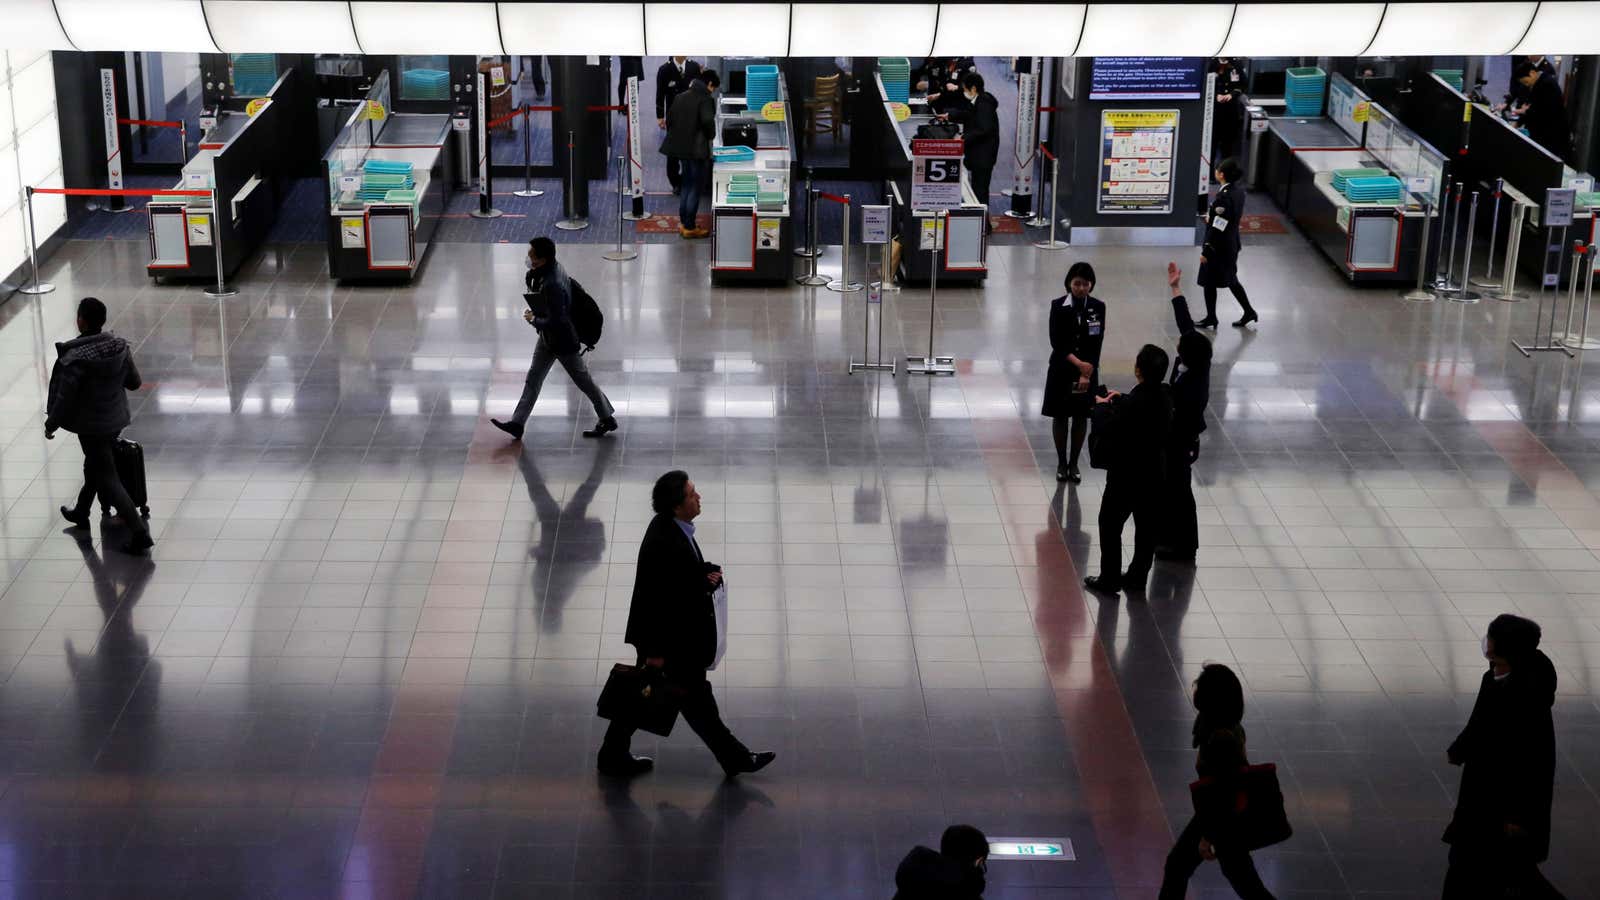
824	108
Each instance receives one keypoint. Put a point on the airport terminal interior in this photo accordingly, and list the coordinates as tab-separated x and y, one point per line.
363	657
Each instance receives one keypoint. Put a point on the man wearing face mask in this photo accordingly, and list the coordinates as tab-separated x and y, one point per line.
955	872
979	118
558	342
1500	831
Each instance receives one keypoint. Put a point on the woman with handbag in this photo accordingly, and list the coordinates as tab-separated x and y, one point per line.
1219	830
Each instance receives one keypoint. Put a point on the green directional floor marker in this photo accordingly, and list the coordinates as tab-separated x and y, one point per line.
1055	849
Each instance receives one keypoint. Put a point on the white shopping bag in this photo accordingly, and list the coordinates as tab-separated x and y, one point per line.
719	603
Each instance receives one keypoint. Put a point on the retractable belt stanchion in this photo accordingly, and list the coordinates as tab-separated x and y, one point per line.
1447	248
38	287
844	285
1464	294
621	254
811	278
933	364
1421	294
1508	278
573	221
1039	219
528	190
221	289
810	249
1580	339
1488	279
1055	195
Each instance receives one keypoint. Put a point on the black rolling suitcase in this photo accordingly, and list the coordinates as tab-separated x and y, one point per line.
130	470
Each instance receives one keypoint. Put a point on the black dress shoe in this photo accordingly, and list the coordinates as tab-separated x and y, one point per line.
602	428
510	428
1073	475
78	519
754	762
1246	319
1101	584
624	766
1061	475
138	544
1207	322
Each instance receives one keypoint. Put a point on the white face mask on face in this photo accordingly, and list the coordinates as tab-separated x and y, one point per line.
529	261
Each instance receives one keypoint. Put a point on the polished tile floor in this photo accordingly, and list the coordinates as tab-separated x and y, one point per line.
363	658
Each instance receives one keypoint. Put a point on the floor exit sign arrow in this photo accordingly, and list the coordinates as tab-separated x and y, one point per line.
1056	849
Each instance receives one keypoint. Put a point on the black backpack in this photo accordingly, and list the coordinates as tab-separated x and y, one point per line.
587	319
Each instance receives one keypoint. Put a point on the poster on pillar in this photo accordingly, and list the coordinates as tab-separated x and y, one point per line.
1027	141
1137	147
108	114
635	155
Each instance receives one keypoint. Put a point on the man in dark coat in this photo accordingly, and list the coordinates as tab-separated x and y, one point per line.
673	78
691	123
953	872
628	67
558	342
88	397
672	623
1190	390
1507	753
979	118
1545	115
1132	431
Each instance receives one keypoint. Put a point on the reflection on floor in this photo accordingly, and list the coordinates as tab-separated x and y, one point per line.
364	656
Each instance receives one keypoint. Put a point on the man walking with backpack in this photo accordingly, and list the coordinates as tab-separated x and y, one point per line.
552	312
88	396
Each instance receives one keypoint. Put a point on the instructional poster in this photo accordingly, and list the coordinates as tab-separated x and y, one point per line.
1137	147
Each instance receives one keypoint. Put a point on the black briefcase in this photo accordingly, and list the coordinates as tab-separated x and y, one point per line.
129	458
639	696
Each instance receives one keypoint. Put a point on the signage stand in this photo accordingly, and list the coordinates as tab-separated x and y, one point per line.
1557	219
635	209
933	364
485	208
875	230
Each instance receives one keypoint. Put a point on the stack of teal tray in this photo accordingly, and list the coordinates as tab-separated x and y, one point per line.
254	74
771	201
381	177
895	71
425	84
1303	90
742	188
1452	77
760	86
1588	200
1380	189
1341	177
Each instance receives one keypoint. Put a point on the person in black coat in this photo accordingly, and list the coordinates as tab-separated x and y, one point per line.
1500	831
940	78
1227	118
1545	115
672	623
1077	332
1190	388
1131	440
691	127
1219	741
628	67
1219	257
953	872
979	118
675	76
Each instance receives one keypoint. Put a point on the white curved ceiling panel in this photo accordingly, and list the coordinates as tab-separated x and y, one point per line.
462	29
1468	29
1008	29
578	30
726	29
31	25
1155	29
1563	28
861	29
1303	29
177	26
282	26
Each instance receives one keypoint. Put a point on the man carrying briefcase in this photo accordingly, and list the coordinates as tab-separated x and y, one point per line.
672	622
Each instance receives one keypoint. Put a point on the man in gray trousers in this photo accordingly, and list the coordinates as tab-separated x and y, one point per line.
558	342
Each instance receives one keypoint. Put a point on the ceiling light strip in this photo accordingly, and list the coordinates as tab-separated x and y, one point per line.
63	26
1083	25
1529	30
1375	32
354	34
933	43
205	19
1232	17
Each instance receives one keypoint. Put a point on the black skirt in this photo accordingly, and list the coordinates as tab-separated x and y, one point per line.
1218	273
1059	398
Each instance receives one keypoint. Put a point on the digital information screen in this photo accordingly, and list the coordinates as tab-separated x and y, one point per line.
1146	78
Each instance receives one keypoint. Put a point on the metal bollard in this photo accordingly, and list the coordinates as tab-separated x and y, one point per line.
811	278
1038	218
844	285
1513	254
38	287
1581	340
1421	294
1578	251
1494	233
1447	249
1055	197
528	189
1465	294
810	249
621	254
1456	192
573	221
